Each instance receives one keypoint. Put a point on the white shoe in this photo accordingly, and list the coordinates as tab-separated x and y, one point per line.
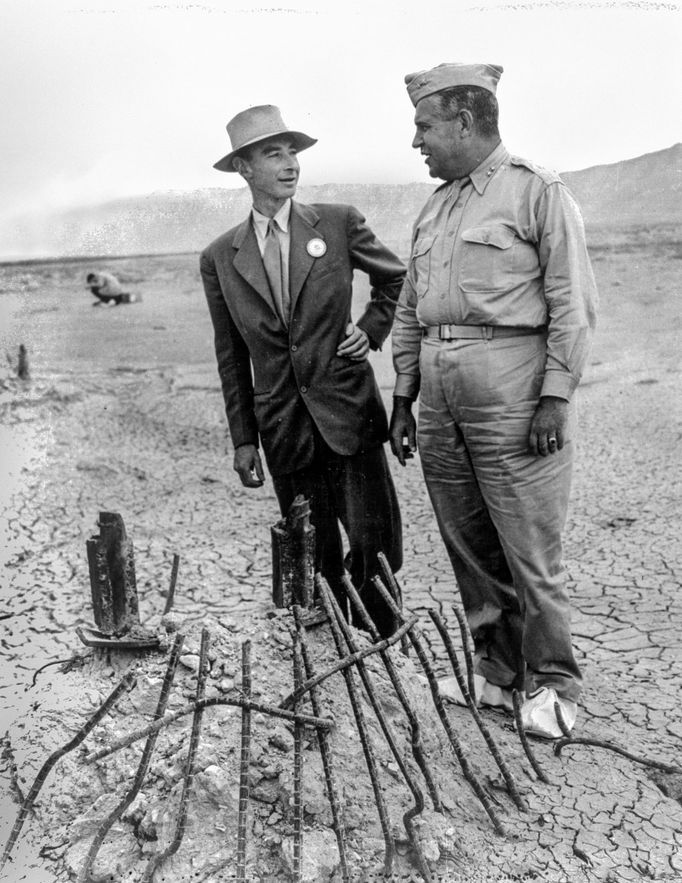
486	693
539	717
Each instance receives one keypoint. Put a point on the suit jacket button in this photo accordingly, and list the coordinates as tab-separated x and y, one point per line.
304	389
293	348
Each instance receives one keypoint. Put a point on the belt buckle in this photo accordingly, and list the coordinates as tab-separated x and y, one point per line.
444	332
487	332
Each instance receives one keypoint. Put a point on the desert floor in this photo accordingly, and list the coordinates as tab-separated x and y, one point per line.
123	413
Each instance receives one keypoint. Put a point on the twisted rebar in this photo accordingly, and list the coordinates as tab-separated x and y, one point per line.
325	595
170	599
348	662
245	758
325	751
126	683
476	714
298	765
468	649
156	861
468	773
611	746
413	719
521	730
396	593
560	720
237	701
143	765
418	807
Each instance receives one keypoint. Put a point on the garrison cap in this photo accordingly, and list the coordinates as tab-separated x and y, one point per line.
446	76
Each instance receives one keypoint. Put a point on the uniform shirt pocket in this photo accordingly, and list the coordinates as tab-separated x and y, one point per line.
487	259
420	268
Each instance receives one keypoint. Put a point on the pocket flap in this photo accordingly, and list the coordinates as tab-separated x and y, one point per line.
500	237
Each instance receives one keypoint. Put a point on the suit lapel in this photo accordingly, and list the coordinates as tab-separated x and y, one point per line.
302	226
249	263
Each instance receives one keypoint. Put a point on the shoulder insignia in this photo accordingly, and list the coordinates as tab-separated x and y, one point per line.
546	175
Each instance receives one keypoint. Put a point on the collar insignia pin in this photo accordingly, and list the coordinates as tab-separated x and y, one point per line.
316	248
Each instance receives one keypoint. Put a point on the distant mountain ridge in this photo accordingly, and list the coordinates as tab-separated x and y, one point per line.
647	189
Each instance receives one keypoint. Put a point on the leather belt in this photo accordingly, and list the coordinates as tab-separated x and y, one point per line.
478	332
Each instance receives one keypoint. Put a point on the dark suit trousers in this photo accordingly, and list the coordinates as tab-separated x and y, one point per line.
358	492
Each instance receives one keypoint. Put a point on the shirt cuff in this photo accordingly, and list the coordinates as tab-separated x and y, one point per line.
407	385
558	384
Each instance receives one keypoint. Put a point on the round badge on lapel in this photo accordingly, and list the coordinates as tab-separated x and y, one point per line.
316	248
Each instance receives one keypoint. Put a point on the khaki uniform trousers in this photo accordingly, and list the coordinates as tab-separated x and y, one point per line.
500	509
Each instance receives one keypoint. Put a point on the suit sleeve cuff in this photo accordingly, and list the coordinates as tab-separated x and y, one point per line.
558	384
374	344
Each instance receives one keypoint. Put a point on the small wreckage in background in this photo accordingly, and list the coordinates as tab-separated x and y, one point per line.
289	778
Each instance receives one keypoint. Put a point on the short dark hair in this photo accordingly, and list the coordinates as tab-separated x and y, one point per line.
248	150
481	103
245	153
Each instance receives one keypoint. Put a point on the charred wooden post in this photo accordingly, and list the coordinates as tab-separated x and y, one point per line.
23	372
112	577
293	557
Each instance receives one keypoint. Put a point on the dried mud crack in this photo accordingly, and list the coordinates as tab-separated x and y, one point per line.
122	416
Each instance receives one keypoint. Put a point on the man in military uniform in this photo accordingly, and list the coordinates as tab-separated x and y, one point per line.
293	364
492	331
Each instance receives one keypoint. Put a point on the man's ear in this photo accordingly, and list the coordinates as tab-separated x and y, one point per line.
465	120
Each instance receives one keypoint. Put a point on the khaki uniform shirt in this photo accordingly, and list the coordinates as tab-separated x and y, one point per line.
505	246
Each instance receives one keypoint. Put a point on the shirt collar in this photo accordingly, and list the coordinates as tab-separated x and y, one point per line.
481	175
282	217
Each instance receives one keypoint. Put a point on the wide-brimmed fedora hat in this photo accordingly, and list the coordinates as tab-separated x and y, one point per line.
258	124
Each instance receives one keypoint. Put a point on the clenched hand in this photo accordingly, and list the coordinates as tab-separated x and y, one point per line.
248	466
548	426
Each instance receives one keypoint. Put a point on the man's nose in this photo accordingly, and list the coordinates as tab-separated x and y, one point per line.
417	141
292	164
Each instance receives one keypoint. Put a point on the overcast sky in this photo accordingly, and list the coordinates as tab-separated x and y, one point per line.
115	97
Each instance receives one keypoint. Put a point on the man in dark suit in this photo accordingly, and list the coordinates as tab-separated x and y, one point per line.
293	365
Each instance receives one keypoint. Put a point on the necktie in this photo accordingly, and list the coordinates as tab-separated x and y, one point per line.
272	260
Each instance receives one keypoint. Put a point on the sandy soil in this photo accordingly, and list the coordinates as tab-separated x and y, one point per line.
123	413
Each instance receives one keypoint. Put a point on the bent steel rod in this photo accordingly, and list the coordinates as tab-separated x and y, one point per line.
156	861
468	651
560	720
126	683
440	708
520	729
170	598
397	593
325	751
476	714
143	766
413	719
417	795
611	746
237	702
325	594
347	662
245	758
298	765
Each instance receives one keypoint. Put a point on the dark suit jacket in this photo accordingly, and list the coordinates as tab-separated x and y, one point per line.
278	381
